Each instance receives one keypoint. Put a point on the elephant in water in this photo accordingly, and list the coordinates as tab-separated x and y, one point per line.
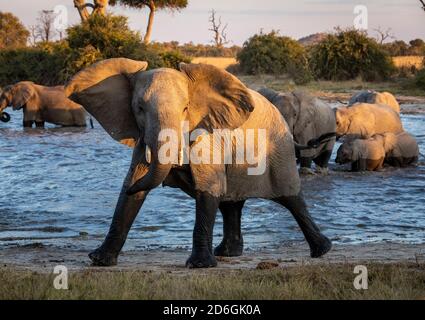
364	120
373	97
42	104
138	107
363	154
402	149
307	118
397	150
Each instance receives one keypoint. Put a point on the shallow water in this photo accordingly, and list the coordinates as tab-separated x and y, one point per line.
59	187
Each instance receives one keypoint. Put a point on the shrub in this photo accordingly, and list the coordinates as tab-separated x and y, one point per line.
96	39
43	64
271	53
420	79
110	35
349	54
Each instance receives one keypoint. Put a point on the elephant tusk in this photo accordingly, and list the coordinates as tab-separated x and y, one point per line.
148	154
181	156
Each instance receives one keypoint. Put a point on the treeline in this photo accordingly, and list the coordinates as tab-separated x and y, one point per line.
400	48
99	37
341	55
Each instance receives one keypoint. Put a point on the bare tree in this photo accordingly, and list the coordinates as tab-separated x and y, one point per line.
383	34
44	29
220	35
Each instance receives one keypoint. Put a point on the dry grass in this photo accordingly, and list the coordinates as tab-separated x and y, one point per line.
386	281
219	62
408	61
326	88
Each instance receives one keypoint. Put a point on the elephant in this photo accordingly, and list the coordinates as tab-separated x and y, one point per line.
42	104
135	106
363	154
402	149
396	150
364	120
307	118
373	97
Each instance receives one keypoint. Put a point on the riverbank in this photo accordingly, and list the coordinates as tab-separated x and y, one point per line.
333	91
395	271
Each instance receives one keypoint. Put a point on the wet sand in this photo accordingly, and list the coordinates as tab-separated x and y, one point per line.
44	259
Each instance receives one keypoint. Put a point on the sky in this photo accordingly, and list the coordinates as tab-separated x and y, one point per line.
248	17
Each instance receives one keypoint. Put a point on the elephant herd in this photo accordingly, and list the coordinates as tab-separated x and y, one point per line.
134	106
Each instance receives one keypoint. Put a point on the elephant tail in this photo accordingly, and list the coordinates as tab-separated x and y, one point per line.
314	143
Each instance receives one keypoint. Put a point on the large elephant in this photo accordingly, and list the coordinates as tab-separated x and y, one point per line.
42	104
363	120
134	105
307	118
402	149
373	97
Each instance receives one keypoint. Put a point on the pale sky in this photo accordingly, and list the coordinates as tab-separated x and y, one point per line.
247	17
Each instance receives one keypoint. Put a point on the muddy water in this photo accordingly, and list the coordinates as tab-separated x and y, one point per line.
59	187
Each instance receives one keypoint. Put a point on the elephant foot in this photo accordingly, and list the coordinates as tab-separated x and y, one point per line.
201	260
101	258
229	249
322	247
322	171
306	171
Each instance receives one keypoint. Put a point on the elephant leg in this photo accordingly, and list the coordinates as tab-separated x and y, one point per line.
319	243
126	211
305	162
39	124
323	159
206	210
232	243
28	123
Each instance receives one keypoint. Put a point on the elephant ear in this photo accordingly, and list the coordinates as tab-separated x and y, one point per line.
22	93
105	91
217	99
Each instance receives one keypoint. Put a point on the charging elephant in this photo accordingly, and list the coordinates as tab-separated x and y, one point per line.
307	118
138	106
42	104
373	97
363	154
402	149
363	120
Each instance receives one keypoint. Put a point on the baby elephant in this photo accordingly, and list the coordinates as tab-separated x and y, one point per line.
42	104
398	150
373	97
363	154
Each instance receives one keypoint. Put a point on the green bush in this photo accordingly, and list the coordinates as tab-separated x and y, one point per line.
420	79
272	54
110	35
96	39
349	54
42	64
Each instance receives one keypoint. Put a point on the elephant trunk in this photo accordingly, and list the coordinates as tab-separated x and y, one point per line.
157	171
315	143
